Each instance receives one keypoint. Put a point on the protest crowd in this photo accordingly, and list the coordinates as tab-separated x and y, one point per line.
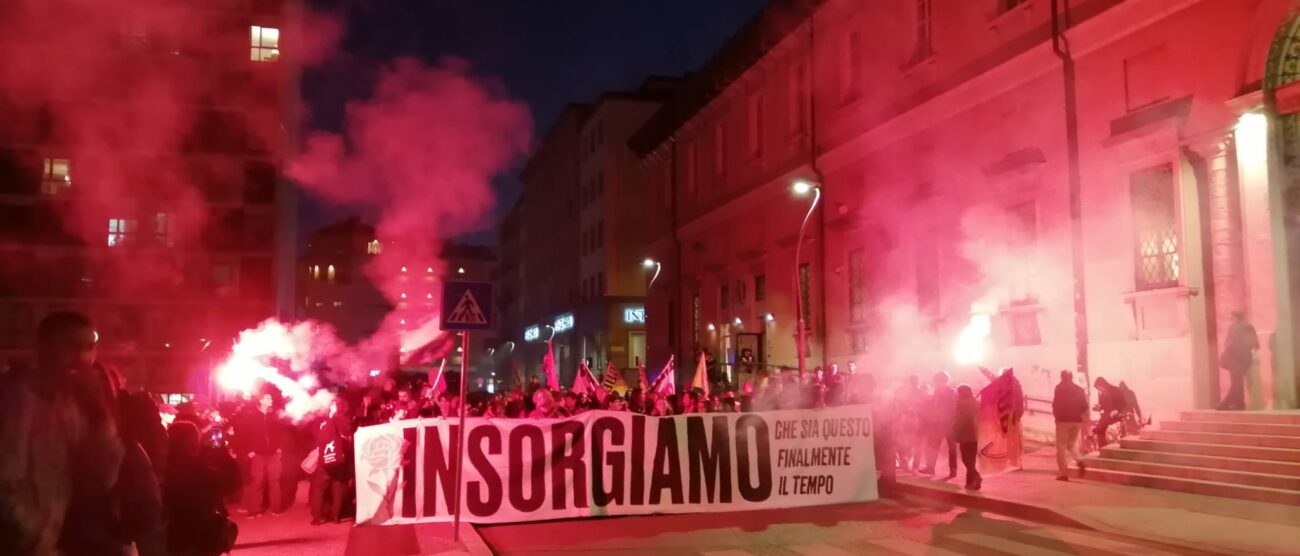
87	466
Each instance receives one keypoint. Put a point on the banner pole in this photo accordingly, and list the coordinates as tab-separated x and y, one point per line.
460	433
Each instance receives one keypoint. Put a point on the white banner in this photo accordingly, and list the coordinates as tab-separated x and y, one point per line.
614	463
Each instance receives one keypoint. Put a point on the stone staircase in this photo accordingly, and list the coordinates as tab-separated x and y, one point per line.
1247	455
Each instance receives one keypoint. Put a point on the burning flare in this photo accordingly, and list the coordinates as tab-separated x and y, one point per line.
971	345
265	354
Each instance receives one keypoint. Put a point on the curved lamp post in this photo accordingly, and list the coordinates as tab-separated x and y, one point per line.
651	263
802	188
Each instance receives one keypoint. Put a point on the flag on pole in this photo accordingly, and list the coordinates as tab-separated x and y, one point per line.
518	376
701	379
582	383
440	385
666	381
613	379
548	368
641	381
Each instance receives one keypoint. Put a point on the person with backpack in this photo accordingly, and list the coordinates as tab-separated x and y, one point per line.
329	481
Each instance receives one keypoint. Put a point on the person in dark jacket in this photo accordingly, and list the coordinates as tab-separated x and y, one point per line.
1070	409
258	442
1237	357
329	481
197	523
938	422
965	432
1111	406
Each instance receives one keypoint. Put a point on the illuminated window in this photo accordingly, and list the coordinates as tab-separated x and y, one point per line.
374	247
264	44
1155	228
164	229
329	274
755	121
338	303
120	231
57	176
315	272
858	286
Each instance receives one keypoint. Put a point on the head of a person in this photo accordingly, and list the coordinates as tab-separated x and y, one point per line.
661	405
542	399
404	395
1067	377
265	402
183	441
65	344
853	367
570	401
835	369
940	379
1101	383
964	392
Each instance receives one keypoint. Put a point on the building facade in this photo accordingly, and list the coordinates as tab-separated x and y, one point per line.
581	231
343	283
139	178
942	153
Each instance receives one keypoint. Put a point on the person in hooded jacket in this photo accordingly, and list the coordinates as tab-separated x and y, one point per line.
329	482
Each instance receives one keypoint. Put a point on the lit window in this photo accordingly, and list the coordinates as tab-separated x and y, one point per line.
315	272
164	229
1155	228
338	303
329	274
57	176
460	270
374	247
265	44
120	231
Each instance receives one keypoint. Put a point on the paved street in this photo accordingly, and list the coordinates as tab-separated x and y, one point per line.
905	527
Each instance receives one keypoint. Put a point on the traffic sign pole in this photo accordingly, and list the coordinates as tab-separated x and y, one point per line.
460	441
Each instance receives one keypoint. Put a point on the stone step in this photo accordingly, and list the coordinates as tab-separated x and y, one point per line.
1280	482
1208	488
1215	450
1232	428
1262	441
1262	417
1289	469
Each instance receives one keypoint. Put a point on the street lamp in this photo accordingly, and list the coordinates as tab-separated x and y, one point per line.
801	188
651	263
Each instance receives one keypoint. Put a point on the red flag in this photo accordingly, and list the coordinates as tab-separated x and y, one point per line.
701	379
585	383
548	368
439	385
666	381
641	381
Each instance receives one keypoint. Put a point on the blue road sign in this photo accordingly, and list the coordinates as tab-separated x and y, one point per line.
466	306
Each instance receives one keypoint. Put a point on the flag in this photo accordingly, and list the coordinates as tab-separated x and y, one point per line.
439	385
519	377
586	383
641	381
701	379
666	381
548	368
613	379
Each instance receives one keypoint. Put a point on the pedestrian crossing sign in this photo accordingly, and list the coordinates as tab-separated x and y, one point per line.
466	306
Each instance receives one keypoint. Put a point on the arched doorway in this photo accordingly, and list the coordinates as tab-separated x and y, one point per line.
1282	105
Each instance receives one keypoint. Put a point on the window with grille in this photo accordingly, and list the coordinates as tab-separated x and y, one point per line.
1155	228
57	176
724	296
760	287
695	318
264	44
804	296
164	228
858	341
858	286
120	231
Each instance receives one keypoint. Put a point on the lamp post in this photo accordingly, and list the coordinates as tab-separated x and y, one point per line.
651	263
802	188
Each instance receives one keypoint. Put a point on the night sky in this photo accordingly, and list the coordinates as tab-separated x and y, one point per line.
546	53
